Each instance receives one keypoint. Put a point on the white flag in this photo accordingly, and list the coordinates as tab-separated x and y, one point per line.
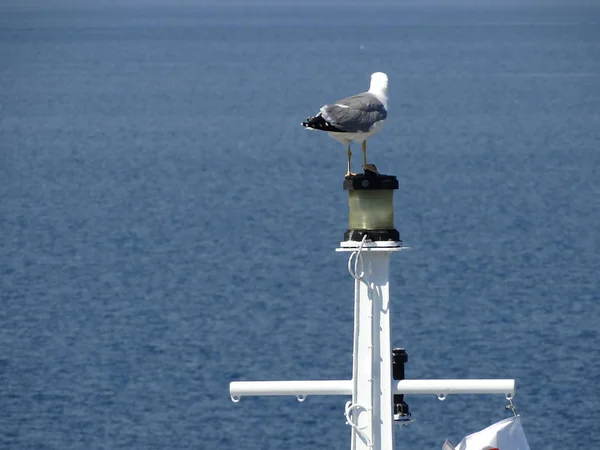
507	434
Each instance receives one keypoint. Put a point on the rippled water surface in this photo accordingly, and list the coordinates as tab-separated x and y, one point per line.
167	226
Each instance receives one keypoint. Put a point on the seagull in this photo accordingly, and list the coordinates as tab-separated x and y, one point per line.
356	118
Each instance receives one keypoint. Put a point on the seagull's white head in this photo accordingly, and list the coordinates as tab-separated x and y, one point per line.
379	85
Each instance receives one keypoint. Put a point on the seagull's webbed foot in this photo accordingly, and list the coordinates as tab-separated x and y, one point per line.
371	168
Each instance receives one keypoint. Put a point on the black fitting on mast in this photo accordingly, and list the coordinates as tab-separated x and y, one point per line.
399	358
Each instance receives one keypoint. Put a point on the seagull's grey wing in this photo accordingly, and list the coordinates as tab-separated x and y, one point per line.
355	114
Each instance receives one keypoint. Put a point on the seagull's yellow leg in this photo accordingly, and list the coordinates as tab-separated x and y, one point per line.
369	167
349	152
364	150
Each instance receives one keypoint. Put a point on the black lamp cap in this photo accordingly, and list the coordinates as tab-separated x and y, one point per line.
370	181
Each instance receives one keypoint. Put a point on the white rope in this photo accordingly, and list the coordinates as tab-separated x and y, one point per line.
357	253
348	412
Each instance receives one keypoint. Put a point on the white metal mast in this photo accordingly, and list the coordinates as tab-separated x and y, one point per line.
370	240
371	410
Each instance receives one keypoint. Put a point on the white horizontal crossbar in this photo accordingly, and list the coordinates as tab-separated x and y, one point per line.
308	387
506	387
239	389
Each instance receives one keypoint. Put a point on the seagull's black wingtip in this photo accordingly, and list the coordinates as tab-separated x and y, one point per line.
319	123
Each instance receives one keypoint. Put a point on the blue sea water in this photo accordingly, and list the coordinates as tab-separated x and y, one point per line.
168	227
